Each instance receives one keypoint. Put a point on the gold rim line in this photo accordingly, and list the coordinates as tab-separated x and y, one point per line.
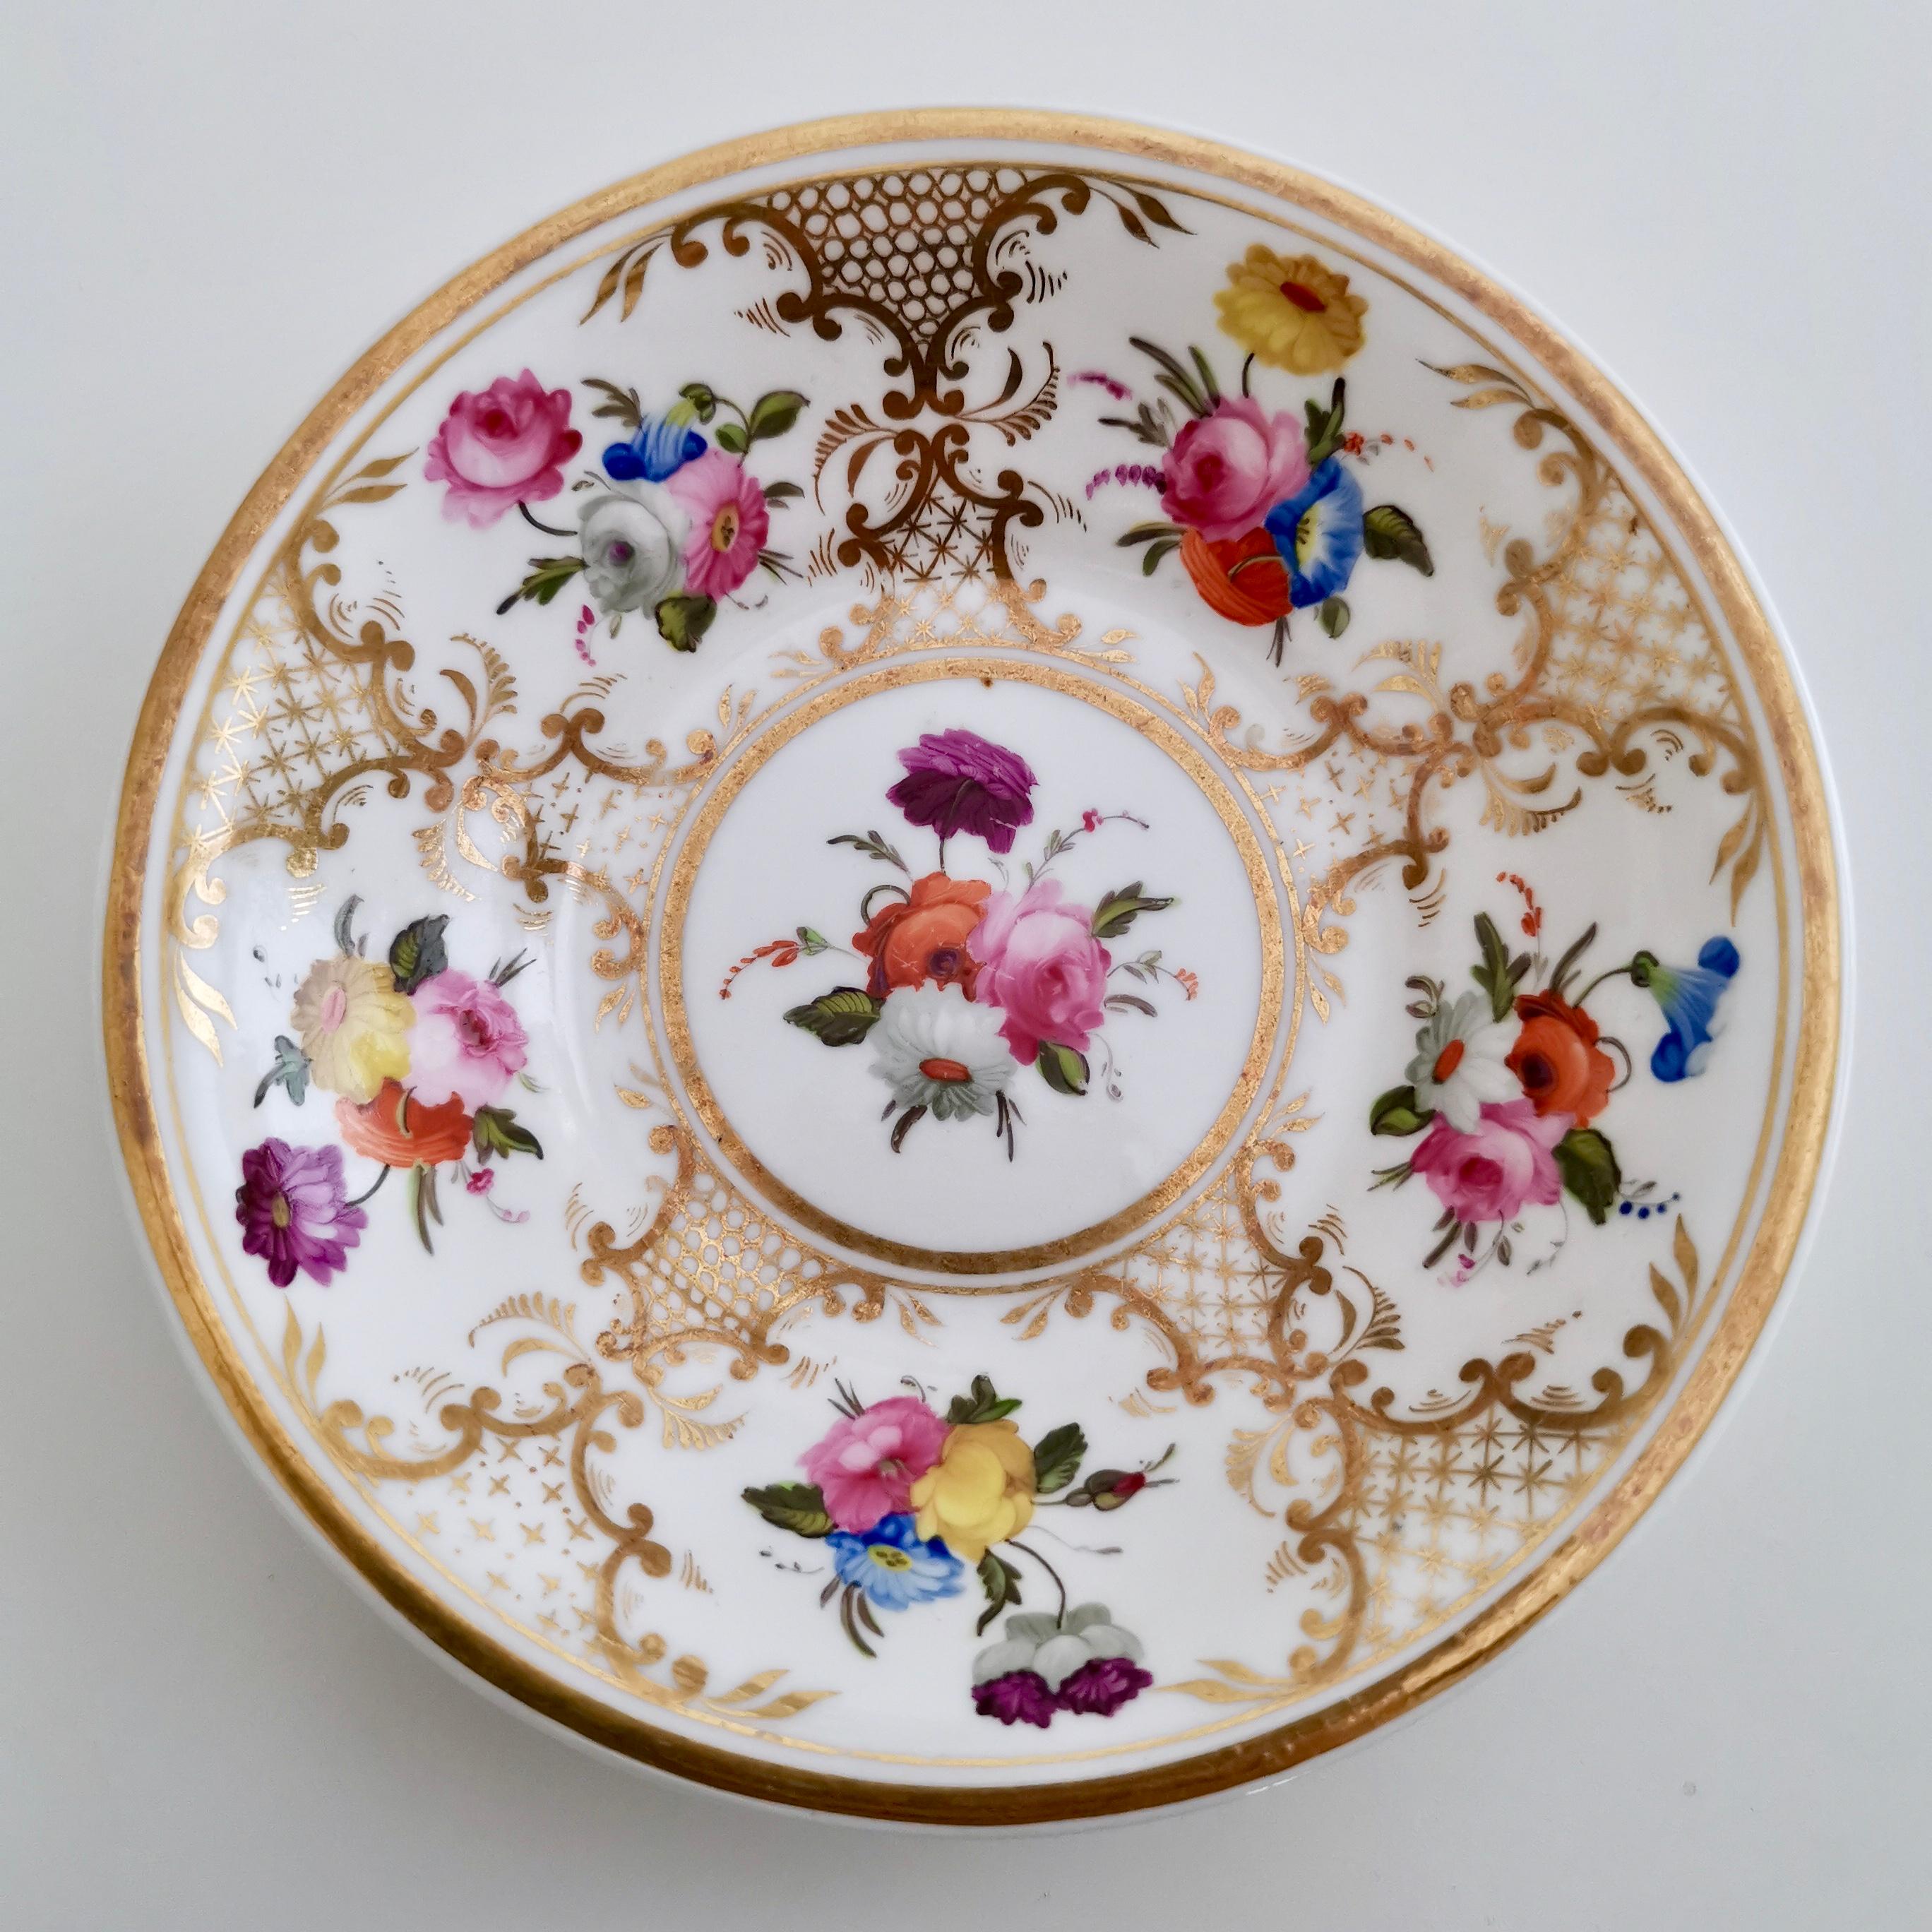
1812	1063
1270	917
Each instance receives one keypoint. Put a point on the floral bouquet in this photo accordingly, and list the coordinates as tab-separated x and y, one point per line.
419	1055
1508	1083
966	988
904	1500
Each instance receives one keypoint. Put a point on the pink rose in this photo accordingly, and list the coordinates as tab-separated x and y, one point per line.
1226	471
504	447
467	1042
1040	964
1503	1167
867	1463
729	522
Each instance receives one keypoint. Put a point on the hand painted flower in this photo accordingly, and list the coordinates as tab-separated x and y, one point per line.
866	1464
980	1491
400	1131
922	937
353	1025
1689	996
1242	580
893	1566
1504	1166
504	446
1319	532
1041	965
955	782
729	522
936	1049
1226	471
633	546
661	445
1557	1059
1460	1066
1083	1662
468	1043
292	1210
1292	310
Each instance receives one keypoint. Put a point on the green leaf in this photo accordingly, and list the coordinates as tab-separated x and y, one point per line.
417	953
345	924
1560	973
1497	975
497	1130
811	943
1146	533
1056	1457
1001	1582
1325	426
731	438
1062	1070
290	1070
1151	559
797	1507
700	396
622	403
683	621
1388	532
548	576
1333	617
1395	1112
840	1017
772	415
1588	1166
781	492
1119	909
982	1403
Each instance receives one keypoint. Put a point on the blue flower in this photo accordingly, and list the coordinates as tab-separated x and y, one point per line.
1319	532
662	445
1689	996
893	1567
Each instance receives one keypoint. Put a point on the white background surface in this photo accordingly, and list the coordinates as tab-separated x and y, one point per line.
207	217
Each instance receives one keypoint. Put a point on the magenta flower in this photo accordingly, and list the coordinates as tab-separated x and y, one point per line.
1226	471
504	446
1101	1688
1020	1697
1504	1165
466	1043
729	522
955	782
867	1463
292	1208
1041	965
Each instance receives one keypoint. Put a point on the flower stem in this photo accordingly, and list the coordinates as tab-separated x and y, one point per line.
548	530
1615	972
362	1197
1058	1582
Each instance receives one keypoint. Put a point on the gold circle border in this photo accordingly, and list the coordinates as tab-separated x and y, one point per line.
1813	1066
1102	696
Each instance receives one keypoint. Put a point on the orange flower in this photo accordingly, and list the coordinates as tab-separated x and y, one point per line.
399	1131
914	941
1556	1057
1242	578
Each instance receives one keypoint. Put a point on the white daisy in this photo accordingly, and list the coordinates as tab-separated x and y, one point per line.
937	1049
1459	1062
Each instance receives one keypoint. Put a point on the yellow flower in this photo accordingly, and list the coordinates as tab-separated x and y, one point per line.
1292	311
980	1491
353	1025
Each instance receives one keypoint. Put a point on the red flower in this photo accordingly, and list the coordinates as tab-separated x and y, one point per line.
914	941
1556	1057
398	1129
1243	579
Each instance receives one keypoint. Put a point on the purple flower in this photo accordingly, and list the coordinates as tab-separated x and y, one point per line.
1102	1686
293	1211
1020	1697
955	782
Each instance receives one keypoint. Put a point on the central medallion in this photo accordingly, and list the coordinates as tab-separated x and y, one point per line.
972	966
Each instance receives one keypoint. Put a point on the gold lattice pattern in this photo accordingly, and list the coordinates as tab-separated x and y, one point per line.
904	240
288	714
1207	1277
1627	637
